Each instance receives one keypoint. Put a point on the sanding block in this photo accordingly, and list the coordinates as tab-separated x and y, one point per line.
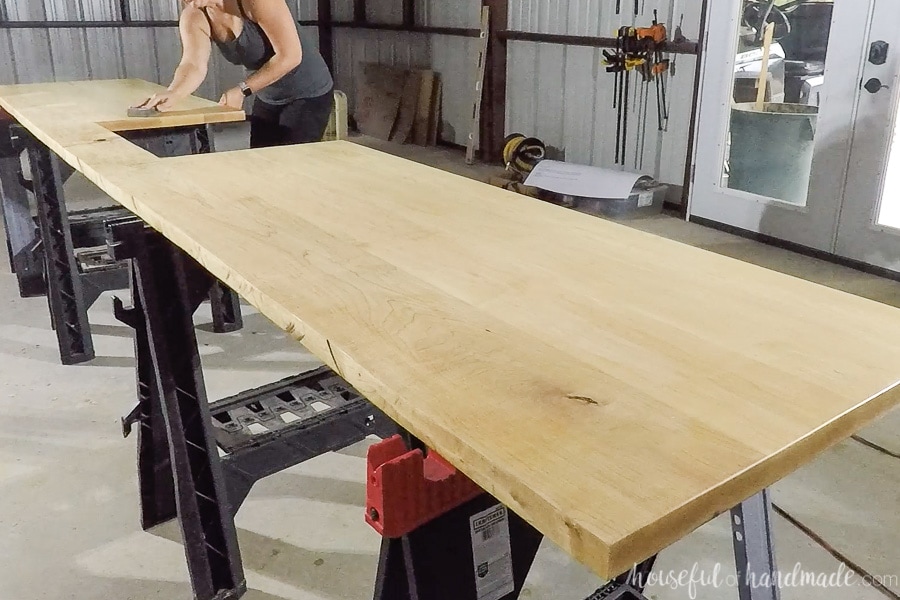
143	112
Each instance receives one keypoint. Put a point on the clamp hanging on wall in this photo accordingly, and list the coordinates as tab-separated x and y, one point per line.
640	49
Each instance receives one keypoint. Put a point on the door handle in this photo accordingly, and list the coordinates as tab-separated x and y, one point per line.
874	85
878	52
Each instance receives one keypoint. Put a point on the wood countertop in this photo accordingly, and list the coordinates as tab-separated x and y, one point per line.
615	389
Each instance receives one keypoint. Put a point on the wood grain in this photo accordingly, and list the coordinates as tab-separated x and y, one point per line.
380	93
434	121
423	110
616	389
409	104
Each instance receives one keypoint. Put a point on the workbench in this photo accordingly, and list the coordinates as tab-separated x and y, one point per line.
56	253
613	389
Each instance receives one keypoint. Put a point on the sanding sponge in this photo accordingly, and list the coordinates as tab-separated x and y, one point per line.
143	112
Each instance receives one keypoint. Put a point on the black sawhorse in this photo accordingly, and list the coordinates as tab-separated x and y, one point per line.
477	549
181	473
61	255
264	431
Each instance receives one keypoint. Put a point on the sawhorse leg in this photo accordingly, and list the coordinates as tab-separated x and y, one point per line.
65	294
444	537
224	302
51	258
225	306
438	562
757	573
169	291
754	549
155	477
22	239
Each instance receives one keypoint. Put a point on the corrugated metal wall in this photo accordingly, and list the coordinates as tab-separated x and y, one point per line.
564	96
453	57
560	94
33	55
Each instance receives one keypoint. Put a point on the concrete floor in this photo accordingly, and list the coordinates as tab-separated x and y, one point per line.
68	502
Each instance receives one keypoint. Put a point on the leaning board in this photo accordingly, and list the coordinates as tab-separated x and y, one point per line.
616	389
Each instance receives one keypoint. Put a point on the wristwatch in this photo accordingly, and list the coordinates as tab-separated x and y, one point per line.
245	89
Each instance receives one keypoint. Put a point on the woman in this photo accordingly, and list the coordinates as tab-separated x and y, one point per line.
291	82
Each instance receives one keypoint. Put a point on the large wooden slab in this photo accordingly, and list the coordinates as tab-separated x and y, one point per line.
616	389
88	114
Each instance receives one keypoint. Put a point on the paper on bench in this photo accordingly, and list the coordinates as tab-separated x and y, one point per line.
582	180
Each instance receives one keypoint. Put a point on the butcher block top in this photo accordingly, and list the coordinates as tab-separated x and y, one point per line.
615	389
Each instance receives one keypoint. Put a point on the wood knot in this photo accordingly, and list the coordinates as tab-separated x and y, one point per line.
585	399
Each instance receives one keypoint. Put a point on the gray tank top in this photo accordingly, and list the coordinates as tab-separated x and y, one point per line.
252	49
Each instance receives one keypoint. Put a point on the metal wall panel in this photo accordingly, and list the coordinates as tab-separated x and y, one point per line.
356	46
63	10
7	61
31	48
455	58
311	33
452	57
139	53
68	51
561	94
305	10
555	91
384	11
59	10
166	10
461	13
154	10
342	10
101	10
168	53
25	10
597	17
105	56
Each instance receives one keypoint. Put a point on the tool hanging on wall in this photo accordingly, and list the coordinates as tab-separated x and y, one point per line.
639	6
640	49
472	142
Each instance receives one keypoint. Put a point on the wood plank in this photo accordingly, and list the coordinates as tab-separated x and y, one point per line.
423	110
409	104
475	130
616	389
434	123
763	79
493	127
380	90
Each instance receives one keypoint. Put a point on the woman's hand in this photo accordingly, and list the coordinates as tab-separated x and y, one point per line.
233	98
162	102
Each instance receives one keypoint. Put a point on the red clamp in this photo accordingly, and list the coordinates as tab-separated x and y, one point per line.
406	490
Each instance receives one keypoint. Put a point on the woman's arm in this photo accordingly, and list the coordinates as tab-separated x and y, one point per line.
276	20
191	71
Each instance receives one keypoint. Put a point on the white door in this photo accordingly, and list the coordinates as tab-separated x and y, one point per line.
782	176
869	228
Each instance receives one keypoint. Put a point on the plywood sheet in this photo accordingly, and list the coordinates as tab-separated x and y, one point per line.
380	90
434	122
423	109
409	104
